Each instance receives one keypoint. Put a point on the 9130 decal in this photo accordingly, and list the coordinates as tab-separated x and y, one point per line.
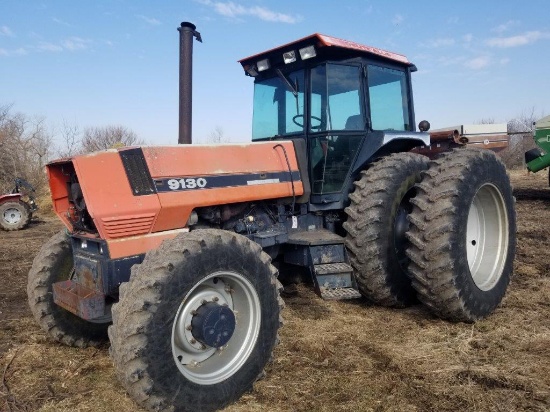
184	183
189	183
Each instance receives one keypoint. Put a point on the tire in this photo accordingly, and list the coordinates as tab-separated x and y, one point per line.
463	235
165	366
14	215
54	263
376	226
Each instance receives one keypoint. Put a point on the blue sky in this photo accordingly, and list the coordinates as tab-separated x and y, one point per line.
97	63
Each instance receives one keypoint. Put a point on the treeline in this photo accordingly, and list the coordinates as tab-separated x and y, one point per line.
27	144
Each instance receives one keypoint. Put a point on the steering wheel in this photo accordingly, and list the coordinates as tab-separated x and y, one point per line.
316	127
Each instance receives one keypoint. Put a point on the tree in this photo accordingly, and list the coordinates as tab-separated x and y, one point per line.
108	137
520	131
25	147
216	136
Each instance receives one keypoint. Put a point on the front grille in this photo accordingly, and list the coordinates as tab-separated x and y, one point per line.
124	226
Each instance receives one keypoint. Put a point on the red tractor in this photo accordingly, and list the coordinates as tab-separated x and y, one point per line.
175	251
17	207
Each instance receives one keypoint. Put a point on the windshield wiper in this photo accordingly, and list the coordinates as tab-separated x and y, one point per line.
287	82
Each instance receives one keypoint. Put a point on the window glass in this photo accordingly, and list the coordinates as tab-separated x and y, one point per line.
335	98
331	158
278	106
389	102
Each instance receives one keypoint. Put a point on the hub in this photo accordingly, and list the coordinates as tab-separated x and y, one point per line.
213	324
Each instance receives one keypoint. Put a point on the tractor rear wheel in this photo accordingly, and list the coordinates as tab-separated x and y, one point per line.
376	226
14	215
54	263
463	235
197	322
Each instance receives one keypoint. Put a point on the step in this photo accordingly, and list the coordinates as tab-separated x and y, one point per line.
334	281
314	237
340	294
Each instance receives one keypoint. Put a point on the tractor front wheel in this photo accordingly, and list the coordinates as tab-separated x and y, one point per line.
463	235
197	322
54	263
14	215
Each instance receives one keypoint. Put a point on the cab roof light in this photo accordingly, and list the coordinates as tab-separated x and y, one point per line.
289	57
251	70
263	65
307	52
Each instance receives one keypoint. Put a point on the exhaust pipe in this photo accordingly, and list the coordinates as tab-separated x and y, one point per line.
187	32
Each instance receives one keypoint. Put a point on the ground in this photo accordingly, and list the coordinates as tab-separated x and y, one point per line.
333	355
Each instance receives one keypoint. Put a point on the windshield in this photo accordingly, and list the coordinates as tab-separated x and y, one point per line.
278	106
389	103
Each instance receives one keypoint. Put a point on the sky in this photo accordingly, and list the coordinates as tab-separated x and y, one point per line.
100	63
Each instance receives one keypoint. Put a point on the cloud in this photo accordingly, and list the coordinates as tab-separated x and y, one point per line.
505	26
519	40
16	52
149	20
234	10
397	19
478	62
61	22
70	44
6	31
441	42
49	47
76	43
468	37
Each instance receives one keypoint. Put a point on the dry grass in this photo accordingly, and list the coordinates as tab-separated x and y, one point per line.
333	355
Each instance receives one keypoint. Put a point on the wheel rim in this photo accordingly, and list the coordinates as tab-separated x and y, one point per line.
487	237
195	358
12	216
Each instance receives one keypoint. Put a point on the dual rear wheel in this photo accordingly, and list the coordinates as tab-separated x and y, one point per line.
441	232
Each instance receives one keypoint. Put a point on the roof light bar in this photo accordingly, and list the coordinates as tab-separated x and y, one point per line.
289	57
308	52
263	65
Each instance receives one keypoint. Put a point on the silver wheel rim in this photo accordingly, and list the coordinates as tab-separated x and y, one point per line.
487	237
208	365
12	216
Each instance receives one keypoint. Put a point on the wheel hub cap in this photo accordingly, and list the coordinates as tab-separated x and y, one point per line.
213	325
12	216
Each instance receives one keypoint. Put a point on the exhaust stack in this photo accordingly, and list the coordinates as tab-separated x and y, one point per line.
187	32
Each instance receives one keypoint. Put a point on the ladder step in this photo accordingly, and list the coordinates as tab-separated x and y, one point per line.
333	268
340	293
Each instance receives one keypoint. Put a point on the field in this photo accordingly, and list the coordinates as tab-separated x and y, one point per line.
333	355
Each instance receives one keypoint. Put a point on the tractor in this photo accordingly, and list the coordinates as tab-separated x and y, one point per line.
178	253
17	207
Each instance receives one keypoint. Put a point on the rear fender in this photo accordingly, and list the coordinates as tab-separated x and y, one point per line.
13	197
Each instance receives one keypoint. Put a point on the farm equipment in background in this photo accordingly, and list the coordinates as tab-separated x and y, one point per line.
17	207
537	159
178	247
484	136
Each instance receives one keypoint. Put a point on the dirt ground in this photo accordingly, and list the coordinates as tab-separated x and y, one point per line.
347	356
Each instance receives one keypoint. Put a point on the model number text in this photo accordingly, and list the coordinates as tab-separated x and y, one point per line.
191	183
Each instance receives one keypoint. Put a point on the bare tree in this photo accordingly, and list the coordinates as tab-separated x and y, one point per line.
108	137
217	136
70	135
520	130
25	147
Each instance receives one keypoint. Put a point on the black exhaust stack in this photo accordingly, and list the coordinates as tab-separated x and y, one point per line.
187	32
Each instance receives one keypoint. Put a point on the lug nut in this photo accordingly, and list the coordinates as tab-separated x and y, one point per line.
215	299
193	341
188	327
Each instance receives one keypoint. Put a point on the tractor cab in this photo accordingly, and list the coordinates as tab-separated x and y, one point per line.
348	102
